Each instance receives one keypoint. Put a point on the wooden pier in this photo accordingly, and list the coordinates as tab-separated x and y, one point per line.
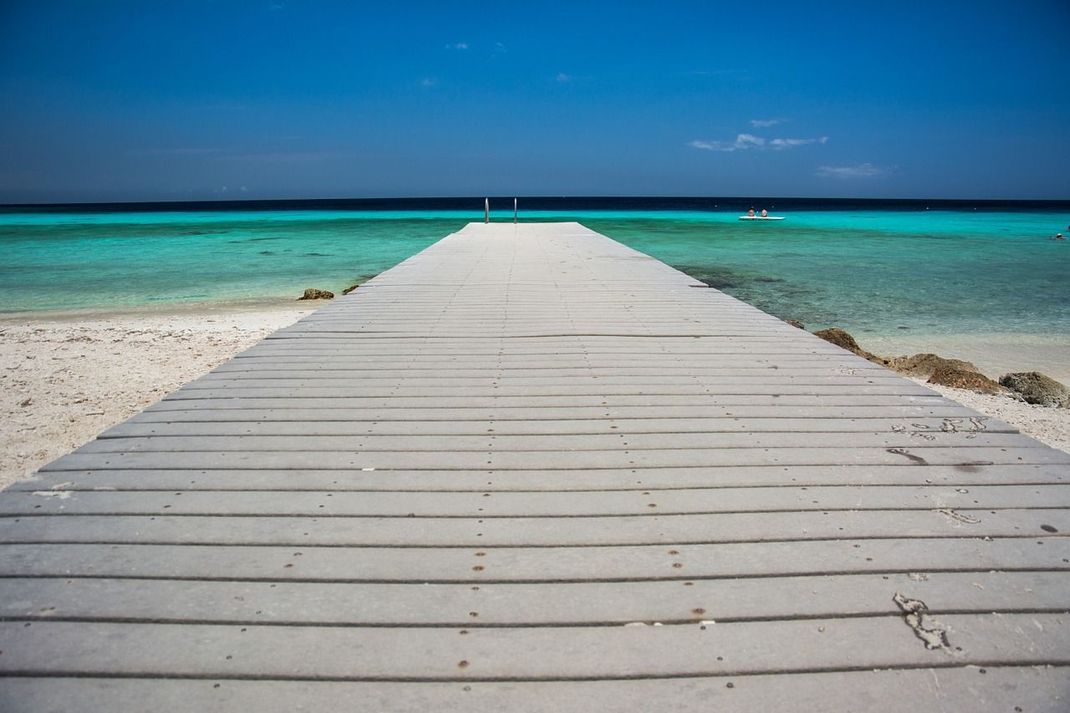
532	469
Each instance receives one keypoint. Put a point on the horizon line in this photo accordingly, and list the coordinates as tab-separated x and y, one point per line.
538	197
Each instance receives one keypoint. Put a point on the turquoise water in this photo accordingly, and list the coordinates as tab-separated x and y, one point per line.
929	272
124	260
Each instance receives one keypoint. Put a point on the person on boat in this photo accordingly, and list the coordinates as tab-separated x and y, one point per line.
750	213
765	213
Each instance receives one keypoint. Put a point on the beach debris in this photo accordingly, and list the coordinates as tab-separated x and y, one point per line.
915	459
925	364
314	294
795	323
349	289
973	424
843	339
916	615
963	379
1036	388
59	494
957	516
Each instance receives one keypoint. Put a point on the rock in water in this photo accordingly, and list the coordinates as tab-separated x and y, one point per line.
947	375
842	339
349	289
1036	388
313	294
795	323
926	364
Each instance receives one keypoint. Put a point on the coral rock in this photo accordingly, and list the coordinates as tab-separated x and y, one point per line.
926	364
313	294
963	379
1036	388
842	339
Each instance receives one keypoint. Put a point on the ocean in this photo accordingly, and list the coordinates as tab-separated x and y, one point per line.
872	267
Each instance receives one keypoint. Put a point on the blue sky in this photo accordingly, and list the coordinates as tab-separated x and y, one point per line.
289	99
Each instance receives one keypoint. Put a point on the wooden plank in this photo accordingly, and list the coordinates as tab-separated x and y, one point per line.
508	351
584	364
186	400
572	344
1039	690
701	441
280	422
579	480
965	457
475	531
299	389
527	653
567	604
563	504
346	379
622	563
255	410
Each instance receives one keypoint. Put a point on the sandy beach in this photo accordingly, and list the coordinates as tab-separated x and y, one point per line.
65	379
994	356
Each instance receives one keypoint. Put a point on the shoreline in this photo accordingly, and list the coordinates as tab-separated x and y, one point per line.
65	378
160	310
993	354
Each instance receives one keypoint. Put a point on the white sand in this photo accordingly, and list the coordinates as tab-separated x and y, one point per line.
64	380
1046	424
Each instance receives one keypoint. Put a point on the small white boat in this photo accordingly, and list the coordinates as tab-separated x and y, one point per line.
761	217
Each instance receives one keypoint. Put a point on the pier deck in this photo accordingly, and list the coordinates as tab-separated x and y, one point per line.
533	469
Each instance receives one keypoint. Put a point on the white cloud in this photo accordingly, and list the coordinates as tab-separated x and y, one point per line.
428	82
765	123
858	170
745	142
457	46
790	143
562	77
704	145
742	142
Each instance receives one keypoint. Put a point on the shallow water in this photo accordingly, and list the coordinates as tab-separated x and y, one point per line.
870	271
